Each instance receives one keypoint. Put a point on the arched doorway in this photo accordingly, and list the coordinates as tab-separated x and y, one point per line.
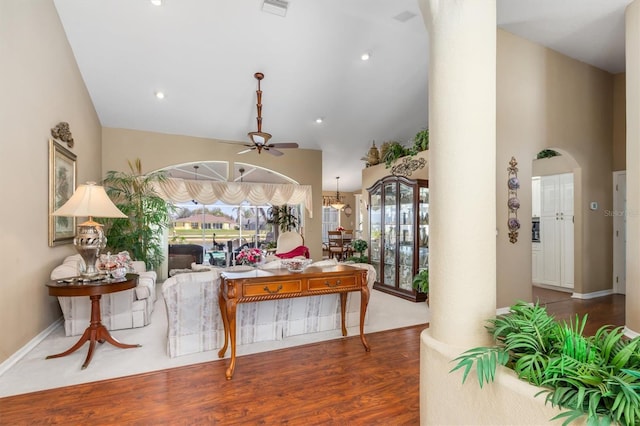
555	178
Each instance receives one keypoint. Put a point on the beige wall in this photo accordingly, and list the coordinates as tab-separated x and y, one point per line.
40	87
348	198
619	123
157	151
547	100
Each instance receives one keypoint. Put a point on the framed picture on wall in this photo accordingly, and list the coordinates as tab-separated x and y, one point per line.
62	184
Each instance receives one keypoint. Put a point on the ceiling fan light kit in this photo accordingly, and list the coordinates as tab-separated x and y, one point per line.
260	139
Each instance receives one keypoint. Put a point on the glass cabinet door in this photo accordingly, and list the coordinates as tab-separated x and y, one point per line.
375	228
390	233
406	236
423	228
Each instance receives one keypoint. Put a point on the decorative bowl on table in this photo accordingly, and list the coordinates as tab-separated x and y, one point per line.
118	273
295	265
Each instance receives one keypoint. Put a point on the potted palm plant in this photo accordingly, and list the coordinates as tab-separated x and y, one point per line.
148	214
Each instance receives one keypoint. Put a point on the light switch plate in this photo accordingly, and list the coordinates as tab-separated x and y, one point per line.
593	205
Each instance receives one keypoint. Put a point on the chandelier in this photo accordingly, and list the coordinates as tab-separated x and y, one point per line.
337	202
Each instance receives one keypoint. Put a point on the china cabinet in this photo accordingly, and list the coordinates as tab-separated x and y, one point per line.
399	233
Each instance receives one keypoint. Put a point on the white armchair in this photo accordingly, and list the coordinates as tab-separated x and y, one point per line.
125	309
291	244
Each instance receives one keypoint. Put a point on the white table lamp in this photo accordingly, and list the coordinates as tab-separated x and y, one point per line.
88	201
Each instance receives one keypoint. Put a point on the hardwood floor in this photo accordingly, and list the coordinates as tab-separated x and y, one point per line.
334	382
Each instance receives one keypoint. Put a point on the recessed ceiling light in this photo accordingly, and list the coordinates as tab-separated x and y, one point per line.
160	95
365	56
319	120
156	2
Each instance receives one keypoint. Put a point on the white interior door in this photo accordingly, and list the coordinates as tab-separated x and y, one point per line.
619	214
566	232
557	230
549	230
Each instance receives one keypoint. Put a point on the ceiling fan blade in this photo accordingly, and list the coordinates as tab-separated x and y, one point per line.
247	150
273	151
283	145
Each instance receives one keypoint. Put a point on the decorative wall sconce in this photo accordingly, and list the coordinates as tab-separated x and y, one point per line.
513	203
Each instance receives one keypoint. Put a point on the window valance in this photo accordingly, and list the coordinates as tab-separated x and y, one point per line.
208	192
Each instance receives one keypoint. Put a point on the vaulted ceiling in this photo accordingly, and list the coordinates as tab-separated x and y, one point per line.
202	54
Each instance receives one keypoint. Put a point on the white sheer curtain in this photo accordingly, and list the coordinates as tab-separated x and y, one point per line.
208	192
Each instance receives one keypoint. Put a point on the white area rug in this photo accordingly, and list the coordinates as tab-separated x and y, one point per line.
33	372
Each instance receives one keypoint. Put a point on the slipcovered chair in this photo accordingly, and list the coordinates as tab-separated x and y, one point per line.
125	309
291	244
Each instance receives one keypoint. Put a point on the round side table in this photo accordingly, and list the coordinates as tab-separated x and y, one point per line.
96	332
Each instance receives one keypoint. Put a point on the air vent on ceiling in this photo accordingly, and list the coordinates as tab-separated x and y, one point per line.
404	16
276	7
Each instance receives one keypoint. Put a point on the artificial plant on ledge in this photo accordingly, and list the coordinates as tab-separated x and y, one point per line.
597	376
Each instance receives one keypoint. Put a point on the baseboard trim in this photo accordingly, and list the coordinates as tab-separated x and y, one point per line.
553	287
593	295
18	355
630	333
503	311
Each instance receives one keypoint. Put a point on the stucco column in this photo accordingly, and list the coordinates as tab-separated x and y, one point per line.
632	29
462	168
462	209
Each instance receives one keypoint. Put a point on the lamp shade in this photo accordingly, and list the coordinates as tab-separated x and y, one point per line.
89	200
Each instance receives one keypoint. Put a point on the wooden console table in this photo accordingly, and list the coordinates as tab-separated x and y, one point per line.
259	285
96	331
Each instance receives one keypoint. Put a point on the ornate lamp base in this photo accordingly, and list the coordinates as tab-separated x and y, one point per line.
89	241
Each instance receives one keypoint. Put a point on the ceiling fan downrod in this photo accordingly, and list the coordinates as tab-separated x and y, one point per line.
259	76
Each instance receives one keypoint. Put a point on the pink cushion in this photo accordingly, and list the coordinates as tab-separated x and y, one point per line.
298	251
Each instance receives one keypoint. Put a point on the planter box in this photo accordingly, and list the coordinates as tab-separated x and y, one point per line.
445	400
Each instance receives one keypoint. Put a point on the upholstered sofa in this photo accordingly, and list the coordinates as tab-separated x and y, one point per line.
189	249
195	325
124	309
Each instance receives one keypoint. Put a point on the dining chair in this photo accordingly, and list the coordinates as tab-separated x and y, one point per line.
336	245
347	240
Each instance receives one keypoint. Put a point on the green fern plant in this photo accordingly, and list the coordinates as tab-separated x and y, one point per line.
420	141
393	150
594	376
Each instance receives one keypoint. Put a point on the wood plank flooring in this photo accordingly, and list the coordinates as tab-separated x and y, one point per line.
334	382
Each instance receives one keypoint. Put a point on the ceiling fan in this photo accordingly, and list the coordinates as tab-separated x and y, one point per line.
260	139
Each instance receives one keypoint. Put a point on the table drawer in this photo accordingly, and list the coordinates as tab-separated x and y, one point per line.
280	287
347	281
